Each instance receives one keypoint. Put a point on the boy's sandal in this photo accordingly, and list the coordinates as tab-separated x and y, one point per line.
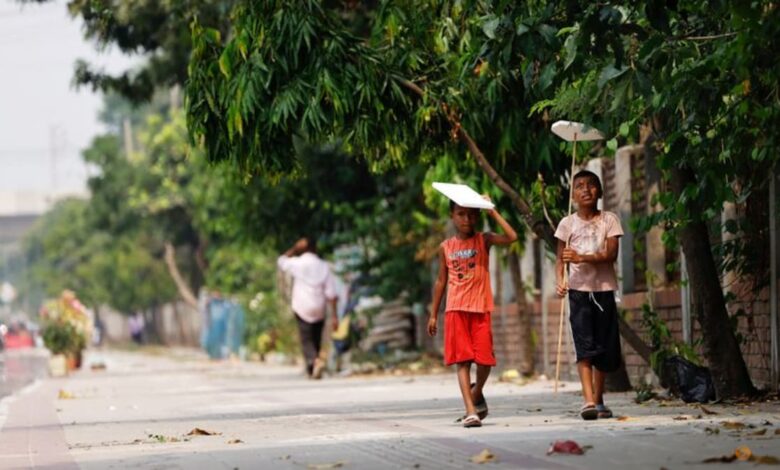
604	412
589	412
481	406
472	421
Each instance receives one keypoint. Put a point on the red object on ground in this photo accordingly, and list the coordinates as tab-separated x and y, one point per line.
18	340
565	447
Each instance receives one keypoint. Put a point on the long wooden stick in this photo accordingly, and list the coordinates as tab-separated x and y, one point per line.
565	299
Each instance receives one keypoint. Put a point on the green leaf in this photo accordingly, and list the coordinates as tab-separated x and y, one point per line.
522	28
548	33
609	73
490	26
624	129
612	144
570	50
547	75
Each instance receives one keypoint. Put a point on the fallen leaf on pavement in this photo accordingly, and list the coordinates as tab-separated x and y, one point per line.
743	453
760	432
565	447
722	459
65	395
777	432
533	410
202	432
235	441
707	411
711	431
324	466
483	457
623	418
682	418
733	425
162	438
509	375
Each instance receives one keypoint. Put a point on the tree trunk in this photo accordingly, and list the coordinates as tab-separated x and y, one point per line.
721	348
525	338
184	290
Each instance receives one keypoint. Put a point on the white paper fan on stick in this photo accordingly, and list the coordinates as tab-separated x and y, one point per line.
463	195
572	132
576	131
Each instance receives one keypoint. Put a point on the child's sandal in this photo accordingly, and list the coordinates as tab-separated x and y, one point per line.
472	421
589	412
603	412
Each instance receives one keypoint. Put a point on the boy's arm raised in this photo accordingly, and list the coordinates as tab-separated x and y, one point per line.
509	235
438	293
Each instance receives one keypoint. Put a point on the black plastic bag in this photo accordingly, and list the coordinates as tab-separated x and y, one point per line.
690	382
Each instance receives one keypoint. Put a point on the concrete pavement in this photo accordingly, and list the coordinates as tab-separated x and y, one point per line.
138	412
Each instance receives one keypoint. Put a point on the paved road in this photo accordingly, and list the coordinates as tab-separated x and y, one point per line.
20	367
137	413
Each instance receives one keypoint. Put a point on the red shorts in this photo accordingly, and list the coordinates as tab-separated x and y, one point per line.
468	337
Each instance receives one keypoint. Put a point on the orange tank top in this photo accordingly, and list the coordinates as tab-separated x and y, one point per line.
468	275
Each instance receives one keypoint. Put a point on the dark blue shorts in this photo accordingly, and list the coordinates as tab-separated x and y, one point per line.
594	325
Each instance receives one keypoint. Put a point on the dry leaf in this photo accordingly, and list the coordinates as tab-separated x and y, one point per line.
324	466
565	447
760	432
777	432
162	438
202	432
733	425
235	441
707	411
723	459
623	418
681	418
711	431
743	453
765	459
64	395
483	457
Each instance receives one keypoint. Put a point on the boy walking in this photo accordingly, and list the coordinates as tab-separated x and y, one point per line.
588	242
468	337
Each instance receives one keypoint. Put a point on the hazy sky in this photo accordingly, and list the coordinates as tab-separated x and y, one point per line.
41	113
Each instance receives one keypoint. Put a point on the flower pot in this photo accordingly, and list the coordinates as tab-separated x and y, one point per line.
58	365
73	360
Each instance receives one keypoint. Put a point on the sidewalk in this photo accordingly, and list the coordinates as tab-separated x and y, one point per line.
137	413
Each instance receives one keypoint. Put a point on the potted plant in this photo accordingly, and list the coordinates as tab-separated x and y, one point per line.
61	339
67	328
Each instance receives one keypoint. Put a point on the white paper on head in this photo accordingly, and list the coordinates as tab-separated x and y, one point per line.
567	130
463	195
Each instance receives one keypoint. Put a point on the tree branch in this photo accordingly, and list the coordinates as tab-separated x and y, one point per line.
536	226
184	290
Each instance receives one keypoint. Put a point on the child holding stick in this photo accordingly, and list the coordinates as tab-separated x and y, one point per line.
588	243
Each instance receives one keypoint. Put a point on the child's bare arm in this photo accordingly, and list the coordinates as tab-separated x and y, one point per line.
560	286
509	235
607	255
438	293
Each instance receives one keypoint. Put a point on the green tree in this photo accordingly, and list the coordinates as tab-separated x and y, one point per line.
695	75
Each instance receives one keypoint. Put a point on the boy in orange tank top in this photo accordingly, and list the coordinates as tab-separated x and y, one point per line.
464	272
